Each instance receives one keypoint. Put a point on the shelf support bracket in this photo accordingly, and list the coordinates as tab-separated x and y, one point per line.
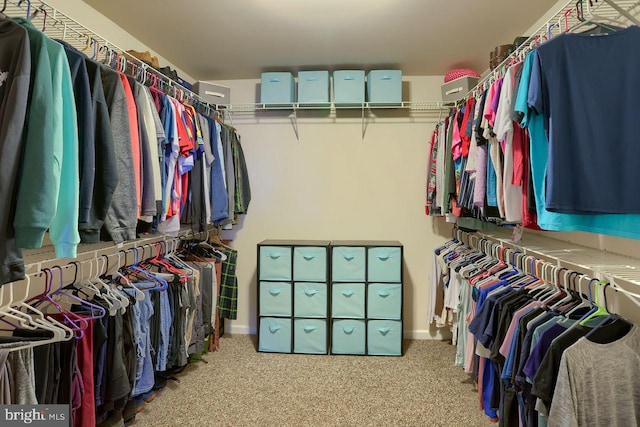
364	126
295	123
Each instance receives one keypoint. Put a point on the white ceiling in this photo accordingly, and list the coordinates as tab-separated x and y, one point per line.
235	39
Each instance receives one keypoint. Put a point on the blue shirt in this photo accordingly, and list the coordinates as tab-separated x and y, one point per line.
623	225
586	87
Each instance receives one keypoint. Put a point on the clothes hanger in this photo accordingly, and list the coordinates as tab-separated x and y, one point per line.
73	299
7	310
59	330
68	316
600	310
28	8
105	297
161	284
138	294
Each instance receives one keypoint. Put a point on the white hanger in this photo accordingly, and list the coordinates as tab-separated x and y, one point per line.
139	295
24	320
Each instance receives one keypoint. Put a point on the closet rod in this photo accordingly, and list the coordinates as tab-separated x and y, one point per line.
616	269
622	12
94	260
52	19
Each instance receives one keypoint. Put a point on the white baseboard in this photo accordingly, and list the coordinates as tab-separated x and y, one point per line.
421	334
427	334
232	329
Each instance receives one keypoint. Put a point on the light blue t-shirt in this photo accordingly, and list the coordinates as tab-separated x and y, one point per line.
622	225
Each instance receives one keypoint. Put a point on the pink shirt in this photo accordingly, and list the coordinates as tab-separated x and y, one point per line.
504	348
135	139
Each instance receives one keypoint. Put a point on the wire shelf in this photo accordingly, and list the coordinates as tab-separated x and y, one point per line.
411	106
57	25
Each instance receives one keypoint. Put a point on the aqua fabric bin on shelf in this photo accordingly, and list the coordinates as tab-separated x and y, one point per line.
348	337
384	301
310	299
275	299
384	86
310	263
275	263
384	338
277	88
348	86
385	264
313	87
348	264
310	336
275	335
347	300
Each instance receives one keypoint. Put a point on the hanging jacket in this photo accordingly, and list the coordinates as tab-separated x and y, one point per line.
106	170
56	205
15	68
121	220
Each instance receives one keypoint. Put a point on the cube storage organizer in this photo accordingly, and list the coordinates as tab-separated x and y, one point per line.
348	87
313	87
321	297
384	86
277	88
293	296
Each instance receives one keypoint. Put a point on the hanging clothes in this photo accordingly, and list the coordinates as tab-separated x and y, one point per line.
522	338
14	92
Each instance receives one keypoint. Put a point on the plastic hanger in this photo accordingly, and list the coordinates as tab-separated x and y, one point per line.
97	312
60	331
77	324
7	310
28	8
105	297
600	310
139	295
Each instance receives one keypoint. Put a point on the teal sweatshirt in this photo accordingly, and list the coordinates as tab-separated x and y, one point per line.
48	192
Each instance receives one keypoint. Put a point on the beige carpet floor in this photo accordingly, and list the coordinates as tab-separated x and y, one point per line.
241	387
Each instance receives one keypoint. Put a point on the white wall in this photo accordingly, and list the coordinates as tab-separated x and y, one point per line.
332	184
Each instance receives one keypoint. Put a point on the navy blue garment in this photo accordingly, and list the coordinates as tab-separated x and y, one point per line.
586	87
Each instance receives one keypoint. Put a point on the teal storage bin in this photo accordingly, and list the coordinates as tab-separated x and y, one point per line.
275	335
347	300
275	263
310	336
348	264
385	264
310	264
348	86
313	87
310	299
384	338
277	88
348	337
384	86
384	301
275	299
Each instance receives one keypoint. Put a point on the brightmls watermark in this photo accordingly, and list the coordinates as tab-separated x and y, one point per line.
35	415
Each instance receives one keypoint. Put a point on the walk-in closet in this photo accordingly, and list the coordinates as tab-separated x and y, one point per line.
305	213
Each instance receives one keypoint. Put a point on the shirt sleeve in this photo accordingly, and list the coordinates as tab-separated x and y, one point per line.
521	105
535	97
